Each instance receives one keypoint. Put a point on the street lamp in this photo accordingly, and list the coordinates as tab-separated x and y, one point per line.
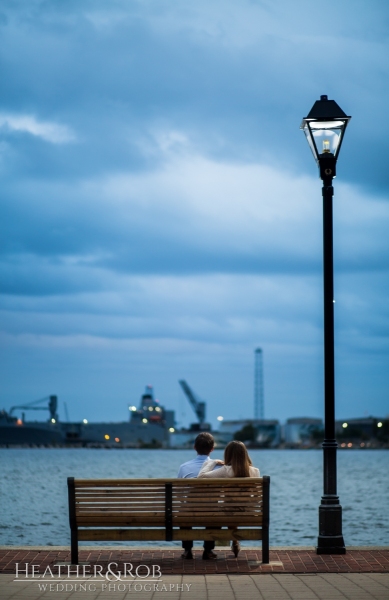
324	128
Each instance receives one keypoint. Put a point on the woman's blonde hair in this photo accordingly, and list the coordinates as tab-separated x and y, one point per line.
236	455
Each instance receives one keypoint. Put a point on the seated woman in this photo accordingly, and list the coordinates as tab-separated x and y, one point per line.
237	463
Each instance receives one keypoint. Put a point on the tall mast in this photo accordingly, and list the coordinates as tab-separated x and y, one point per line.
259	408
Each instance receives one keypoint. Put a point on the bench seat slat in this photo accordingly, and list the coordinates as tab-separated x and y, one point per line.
118	514
177	505
145	522
178	535
121	535
117	520
185	509
179	492
184	519
204	507
118	505
217	502
218	522
217	534
221	497
117	497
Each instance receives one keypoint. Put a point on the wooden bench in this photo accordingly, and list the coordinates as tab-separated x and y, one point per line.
156	509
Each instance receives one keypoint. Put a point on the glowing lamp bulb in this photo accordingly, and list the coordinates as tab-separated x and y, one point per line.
326	146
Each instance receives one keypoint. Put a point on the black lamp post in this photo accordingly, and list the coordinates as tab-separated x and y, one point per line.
324	128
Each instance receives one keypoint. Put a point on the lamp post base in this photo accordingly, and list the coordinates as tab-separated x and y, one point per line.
330	540
323	548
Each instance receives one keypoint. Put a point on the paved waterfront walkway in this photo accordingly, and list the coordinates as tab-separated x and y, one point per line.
294	573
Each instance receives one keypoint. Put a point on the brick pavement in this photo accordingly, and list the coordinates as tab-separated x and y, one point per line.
282	560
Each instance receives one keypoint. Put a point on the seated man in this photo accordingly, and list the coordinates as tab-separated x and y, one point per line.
204	444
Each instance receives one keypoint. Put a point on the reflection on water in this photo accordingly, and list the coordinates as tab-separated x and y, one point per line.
34	490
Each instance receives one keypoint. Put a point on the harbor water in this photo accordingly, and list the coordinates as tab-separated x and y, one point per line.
34	508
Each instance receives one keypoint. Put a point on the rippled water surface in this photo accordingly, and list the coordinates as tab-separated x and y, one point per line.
34	507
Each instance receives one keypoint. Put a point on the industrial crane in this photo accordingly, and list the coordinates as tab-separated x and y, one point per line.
198	406
52	407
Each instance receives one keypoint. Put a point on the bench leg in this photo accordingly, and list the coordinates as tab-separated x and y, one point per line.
73	521
266	519
74	547
265	545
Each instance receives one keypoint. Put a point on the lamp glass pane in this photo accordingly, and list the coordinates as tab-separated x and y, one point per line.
327	135
309	140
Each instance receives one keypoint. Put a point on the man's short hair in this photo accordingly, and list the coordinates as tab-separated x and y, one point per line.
204	443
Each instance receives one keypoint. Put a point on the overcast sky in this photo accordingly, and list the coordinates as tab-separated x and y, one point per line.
161	210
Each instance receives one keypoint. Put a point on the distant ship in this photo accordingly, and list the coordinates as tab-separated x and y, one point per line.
149	425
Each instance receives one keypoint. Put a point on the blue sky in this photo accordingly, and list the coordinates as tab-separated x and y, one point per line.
161	210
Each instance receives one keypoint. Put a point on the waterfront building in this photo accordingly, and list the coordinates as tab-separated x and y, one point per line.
298	431
364	428
264	433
